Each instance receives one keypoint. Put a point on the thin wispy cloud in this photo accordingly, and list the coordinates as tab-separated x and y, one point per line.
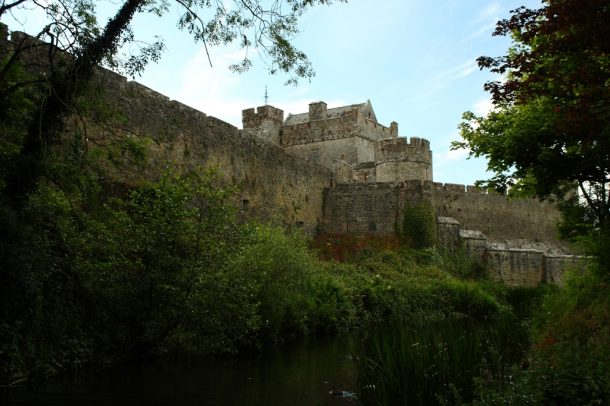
441	80
485	21
449	156
213	91
485	30
491	11
482	107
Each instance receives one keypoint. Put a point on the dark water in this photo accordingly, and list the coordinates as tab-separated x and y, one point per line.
297	374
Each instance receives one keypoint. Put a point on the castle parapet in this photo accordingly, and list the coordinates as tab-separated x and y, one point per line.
399	148
252	118
394	129
471	189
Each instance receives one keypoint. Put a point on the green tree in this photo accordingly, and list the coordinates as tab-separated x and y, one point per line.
158	258
267	26
549	132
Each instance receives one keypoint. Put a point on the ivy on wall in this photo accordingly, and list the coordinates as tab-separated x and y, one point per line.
417	228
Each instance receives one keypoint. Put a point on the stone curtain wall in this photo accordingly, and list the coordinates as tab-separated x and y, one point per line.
516	263
495	215
370	207
272	184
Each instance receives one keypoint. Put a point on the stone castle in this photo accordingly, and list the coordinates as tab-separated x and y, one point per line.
328	171
346	140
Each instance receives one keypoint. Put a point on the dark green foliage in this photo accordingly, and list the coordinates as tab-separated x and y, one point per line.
167	269
570	359
425	363
549	132
418	226
457	262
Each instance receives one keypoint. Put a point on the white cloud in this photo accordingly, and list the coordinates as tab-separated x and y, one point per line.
485	21
466	69
209	89
452	155
216	91
482	107
461	70
486	29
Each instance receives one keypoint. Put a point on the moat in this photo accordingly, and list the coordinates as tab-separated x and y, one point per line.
297	374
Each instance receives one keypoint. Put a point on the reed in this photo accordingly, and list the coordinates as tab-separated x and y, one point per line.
445	362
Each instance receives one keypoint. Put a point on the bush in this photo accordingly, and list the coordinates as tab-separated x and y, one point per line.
570	357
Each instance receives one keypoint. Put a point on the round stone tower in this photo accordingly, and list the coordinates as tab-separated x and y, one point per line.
399	159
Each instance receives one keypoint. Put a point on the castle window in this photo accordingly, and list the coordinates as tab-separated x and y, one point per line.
244	204
372	226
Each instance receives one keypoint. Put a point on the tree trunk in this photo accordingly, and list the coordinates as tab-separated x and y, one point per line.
48	124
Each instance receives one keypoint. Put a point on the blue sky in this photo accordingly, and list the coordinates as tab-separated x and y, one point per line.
414	59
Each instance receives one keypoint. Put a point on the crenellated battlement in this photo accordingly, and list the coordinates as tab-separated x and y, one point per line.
401	148
349	134
266	122
379	131
463	189
254	118
399	159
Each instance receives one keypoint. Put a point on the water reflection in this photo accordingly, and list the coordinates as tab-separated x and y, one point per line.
297	374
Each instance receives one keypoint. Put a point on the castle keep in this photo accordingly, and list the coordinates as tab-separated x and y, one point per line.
327	170
346	140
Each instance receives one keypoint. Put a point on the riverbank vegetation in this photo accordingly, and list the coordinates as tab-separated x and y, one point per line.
91	279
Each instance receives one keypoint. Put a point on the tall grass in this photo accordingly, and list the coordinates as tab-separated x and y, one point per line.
445	362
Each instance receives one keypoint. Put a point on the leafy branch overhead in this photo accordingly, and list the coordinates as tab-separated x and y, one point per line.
262	27
549	131
267	26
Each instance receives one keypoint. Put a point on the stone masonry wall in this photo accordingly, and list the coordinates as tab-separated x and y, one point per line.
273	185
369	207
265	122
373	130
495	215
327	153
515	263
399	159
344	126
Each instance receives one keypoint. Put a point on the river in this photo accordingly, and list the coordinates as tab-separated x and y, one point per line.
295	374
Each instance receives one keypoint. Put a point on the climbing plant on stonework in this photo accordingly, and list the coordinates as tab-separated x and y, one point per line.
417	228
